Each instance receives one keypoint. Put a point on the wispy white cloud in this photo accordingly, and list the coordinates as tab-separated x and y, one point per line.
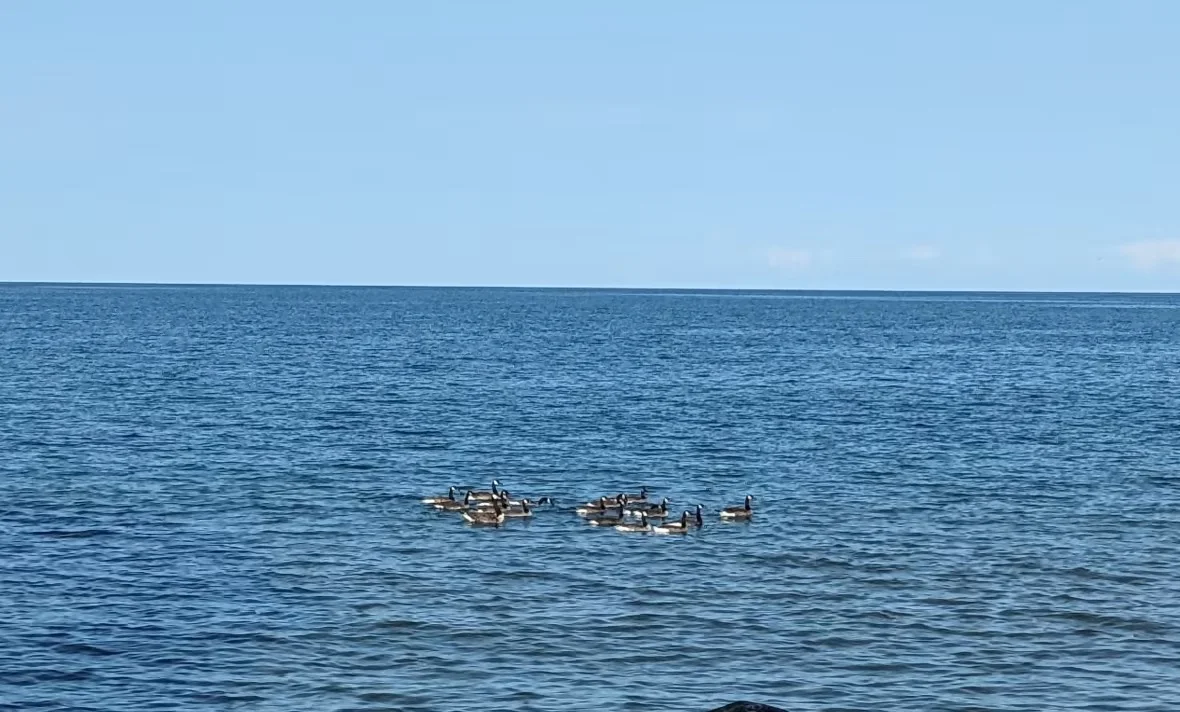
1152	254
789	258
921	253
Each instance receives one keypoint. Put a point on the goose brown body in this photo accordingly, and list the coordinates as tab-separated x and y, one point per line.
482	518
745	511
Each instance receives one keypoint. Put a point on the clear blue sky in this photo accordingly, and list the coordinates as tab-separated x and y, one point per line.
897	145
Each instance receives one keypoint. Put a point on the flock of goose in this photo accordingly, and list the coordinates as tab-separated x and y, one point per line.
634	513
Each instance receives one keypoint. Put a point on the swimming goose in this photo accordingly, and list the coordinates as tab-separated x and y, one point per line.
699	520
493	518
637	498
450	497
594	507
524	510
600	505
741	512
450	505
502	498
605	500
680	527
507	501
654	511
608	517
485	496
641	526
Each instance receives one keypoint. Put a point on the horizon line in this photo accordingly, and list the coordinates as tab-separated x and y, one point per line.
358	285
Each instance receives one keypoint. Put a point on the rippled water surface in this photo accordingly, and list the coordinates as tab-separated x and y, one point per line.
209	500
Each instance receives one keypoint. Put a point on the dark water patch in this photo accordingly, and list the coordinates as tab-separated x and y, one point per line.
225	699
74	533
45	676
1099	621
409	625
84	649
355	465
1086	573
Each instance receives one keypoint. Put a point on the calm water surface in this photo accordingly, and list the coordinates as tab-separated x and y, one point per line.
209	500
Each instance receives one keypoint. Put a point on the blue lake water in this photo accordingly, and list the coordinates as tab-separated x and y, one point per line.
209	499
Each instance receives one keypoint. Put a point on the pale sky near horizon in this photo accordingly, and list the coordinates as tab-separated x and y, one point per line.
845	145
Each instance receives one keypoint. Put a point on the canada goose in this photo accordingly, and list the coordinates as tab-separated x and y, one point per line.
485	496
641	526
654	511
608	517
593	507
700	521
493	518
450	497
680	527
502	498
741	512
507	501
600	505
524	510
450	505
637	498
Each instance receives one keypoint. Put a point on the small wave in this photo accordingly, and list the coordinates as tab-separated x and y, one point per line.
74	533
404	624
1083	572
1108	621
84	649
390	697
32	677
223	698
352	465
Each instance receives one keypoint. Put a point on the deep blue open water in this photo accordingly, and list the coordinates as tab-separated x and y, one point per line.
209	500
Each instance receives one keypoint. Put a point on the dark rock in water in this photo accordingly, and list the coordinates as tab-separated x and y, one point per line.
747	707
